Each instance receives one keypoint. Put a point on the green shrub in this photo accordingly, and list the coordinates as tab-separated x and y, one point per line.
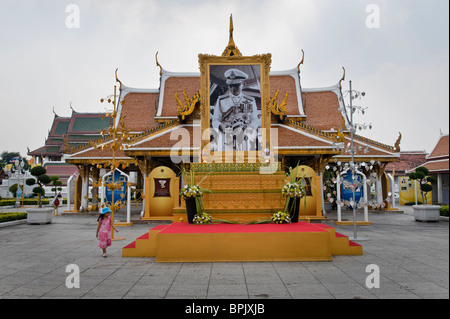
444	210
8	217
26	201
413	203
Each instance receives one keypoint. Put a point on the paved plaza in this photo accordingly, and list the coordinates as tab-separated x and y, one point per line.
412	258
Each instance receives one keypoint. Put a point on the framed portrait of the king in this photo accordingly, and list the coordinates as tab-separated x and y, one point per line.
235	114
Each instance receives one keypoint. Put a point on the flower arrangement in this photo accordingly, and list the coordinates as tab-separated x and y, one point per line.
202	218
281	218
189	191
293	186
192	191
293	190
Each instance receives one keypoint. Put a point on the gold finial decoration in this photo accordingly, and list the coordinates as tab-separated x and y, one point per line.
117	80
301	62
340	134
231	49
342	79
279	109
157	64
66	144
397	143
188	107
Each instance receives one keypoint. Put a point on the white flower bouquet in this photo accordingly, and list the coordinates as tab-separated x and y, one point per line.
202	218
281	218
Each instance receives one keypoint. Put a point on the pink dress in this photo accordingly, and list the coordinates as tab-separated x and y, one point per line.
104	233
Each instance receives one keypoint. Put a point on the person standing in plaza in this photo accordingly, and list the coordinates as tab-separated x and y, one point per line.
104	227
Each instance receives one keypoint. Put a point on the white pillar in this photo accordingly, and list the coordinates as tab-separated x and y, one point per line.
379	190
365	196
85	189
392	184
322	201
338	196
439	188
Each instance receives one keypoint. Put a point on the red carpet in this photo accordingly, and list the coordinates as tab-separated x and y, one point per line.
185	228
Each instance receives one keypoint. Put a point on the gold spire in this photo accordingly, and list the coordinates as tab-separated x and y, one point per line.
231	49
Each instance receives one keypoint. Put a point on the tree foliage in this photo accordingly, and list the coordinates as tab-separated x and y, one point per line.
421	175
41	180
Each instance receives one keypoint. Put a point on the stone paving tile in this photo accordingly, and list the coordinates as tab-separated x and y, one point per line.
412	258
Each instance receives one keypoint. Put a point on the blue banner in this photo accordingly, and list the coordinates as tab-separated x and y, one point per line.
120	194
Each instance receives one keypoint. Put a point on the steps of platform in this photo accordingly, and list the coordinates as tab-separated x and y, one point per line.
145	245
341	244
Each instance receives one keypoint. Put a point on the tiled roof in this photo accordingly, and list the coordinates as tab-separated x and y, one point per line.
288	136
441	166
407	161
138	111
173	85
63	170
321	109
87	123
441	149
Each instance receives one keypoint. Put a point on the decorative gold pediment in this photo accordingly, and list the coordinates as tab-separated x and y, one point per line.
340	132
279	110
188	107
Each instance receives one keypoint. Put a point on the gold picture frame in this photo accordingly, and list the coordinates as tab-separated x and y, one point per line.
221	70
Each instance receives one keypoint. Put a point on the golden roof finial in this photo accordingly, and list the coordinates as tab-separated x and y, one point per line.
301	62
397	143
117	79
342	79
231	49
157	64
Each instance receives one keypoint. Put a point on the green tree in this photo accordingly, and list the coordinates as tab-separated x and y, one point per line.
56	183
421	175
41	180
6	156
13	189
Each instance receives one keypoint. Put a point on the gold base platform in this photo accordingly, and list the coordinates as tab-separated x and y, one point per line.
181	242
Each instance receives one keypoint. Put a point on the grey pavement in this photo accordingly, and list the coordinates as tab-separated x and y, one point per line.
412	258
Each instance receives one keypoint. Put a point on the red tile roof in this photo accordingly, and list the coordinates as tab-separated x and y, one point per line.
441	149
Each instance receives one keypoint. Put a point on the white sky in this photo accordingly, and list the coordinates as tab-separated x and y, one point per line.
403	66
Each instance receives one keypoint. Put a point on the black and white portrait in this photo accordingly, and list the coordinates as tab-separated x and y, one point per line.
235	106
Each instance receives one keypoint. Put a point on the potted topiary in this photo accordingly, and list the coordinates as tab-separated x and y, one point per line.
425	212
39	215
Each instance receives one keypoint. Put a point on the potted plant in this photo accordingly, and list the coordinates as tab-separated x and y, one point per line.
425	212
293	190
192	194
39	215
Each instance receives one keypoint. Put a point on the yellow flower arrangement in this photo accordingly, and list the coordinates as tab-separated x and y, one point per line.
281	218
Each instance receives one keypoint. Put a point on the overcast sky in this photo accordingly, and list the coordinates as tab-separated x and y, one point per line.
48	61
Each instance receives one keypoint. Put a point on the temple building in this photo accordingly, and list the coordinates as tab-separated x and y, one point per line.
437	164
67	133
236	120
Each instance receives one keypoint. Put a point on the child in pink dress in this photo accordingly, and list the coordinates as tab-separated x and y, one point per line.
104	229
